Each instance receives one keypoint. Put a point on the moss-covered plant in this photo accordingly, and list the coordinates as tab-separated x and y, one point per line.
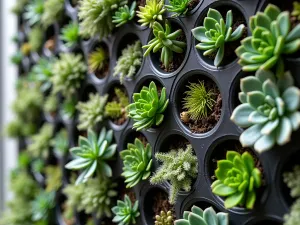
271	38
206	217
164	218
151	12
60	142
92	111
52	12
42	206
137	160
126	212
214	34
124	14
70	34
296	10
178	7
35	38
92	155
51	105
165	42
179	167
68	72
98	60
129	61
34	11
147	108
53	178
96	16
269	110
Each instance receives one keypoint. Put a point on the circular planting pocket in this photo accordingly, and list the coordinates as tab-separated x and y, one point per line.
130	136
50	45
218	152
238	18
198	102
202	203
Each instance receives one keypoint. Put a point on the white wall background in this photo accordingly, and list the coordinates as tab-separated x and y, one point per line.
8	76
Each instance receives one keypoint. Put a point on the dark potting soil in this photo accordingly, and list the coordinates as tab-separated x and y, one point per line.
161	203
193	4
208	123
112	97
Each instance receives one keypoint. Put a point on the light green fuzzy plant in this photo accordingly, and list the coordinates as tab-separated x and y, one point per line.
215	33
198	101
129	61
124	14
19	6
70	34
98	197
68	72
35	38
269	110
42	205
148	107
34	11
271	38
92	111
98	59
166	42
292	218
40	145
151	12
164	218
292	180
296	10
92	155
60	142
52	12
53	178
204	217
126	212
178	7
137	160
179	167
115	109
51	104
237	180
96	16
74	195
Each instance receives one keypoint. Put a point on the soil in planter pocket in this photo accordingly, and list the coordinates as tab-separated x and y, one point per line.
114	98
161	203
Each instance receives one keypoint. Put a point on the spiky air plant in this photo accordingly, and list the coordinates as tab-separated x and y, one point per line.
35	38
34	11
151	12
124	14
117	108
179	167
96	16
129	61
92	111
70	34
215	33
98	59
53	11
178	7
166	42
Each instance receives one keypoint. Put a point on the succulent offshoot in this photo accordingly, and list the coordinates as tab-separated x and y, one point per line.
124	14
151	12
178	7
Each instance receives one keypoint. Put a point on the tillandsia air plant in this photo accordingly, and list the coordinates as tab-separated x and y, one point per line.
126	212
269	110
70	34
271	38
98	60
124	14
68	72
42	206
166	42
148	107
237	180
34	11
53	11
92	111
129	61
35	38
164	218
179	167
96	16
215	33
137	160
206	217
151	12
198	102
92	155
296	10
60	142
178	7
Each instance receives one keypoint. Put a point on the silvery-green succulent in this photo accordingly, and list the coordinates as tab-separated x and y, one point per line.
269	110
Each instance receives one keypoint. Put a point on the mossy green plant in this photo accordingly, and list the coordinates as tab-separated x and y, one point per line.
51	105
19	6
292	218
124	14
53	178
35	38
52	12
70	34
292	180
117	108
98	60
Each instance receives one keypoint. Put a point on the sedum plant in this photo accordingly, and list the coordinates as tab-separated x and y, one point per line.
124	14
126	212
92	111
52	12
164	218
147	108
96	16
269	110
53	178
129	61
214	34
271	38
42	205
98	59
34	11
166	42
179	167
51	104
137	160
204	217
151	12
237	180
92	155
117	108
296	10
292	218
74	194
292	180
60	142
68	72
178	7
35	38
70	34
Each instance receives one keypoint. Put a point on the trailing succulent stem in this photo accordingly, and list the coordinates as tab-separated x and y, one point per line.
124	14
214	34
151	12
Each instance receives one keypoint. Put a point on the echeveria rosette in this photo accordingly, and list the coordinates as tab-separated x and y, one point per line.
214	34
147	108
178	7
92	155
124	14
269	110
137	160
165	41
151	12
203	217
271	37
